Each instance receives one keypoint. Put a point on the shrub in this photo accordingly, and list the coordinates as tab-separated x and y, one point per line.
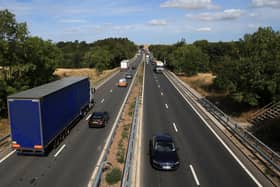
114	176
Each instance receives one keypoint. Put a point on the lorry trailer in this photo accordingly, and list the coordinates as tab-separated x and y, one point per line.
44	115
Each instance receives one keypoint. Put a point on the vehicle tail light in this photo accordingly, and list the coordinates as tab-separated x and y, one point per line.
15	146
38	147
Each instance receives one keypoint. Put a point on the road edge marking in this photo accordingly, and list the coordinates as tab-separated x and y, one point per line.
99	161
7	156
61	148
218	137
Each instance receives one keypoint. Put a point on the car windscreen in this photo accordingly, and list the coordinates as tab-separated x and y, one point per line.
164	146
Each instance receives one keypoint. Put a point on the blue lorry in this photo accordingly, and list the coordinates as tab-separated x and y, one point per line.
42	116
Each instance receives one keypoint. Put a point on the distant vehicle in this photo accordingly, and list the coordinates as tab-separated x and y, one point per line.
98	119
159	66
128	75
163	153
133	66
122	82
124	65
42	116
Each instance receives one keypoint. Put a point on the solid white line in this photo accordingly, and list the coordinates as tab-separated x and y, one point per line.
102	100
166	106
174	125
7	156
62	147
99	162
161	93
88	116
194	176
222	142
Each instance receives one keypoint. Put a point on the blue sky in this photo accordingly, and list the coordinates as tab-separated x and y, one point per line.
144	21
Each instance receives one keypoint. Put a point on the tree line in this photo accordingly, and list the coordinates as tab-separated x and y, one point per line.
247	70
102	54
28	61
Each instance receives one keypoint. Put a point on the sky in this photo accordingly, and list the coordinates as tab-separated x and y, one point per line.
145	21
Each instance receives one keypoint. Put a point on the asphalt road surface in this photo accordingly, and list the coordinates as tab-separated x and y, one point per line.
204	160
72	163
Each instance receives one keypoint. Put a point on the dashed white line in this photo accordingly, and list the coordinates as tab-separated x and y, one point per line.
62	147
166	106
88	116
220	139
111	90
194	176
161	93
7	156
175	128
159	86
102	100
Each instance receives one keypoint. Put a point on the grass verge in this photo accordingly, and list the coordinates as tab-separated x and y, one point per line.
118	149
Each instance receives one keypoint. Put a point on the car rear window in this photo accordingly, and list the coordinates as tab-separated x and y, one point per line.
164	146
97	116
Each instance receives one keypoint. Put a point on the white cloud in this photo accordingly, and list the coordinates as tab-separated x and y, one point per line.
189	4
157	22
73	21
229	14
266	3
204	29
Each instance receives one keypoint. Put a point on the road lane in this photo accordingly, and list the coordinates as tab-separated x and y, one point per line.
73	165
214	166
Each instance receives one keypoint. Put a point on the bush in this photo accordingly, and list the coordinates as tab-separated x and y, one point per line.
114	176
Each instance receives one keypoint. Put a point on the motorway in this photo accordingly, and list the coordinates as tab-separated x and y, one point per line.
73	162
204	160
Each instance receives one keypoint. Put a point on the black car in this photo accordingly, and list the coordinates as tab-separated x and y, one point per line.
133	67
128	75
163	153
98	119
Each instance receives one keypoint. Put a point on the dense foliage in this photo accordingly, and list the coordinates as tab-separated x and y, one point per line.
25	61
247	70
102	54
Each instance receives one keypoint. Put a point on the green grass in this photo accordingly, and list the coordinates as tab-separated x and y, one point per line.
121	152
114	176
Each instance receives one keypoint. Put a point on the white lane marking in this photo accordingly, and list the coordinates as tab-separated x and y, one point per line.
99	162
174	125
194	176
166	106
62	147
7	156
159	86
220	139
161	93
111	90
102	100
88	116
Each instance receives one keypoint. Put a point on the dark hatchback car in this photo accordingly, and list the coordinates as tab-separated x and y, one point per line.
128	75
98	119
163	153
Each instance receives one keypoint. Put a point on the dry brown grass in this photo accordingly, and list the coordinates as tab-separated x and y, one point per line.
4	127
200	82
95	77
126	120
